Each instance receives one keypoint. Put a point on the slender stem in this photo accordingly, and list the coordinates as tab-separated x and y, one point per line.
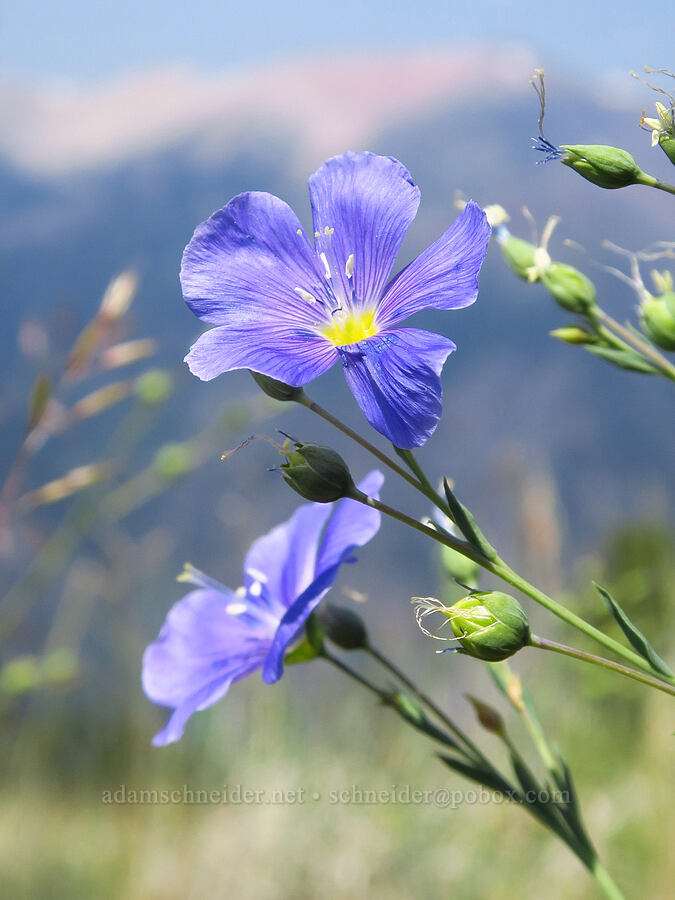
337	662
650	181
605	881
545	644
502	570
643	347
305	401
427	701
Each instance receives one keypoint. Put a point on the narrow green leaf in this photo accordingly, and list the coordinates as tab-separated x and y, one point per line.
636	638
467	524
482	776
623	359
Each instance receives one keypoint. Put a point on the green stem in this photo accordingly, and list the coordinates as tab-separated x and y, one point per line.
499	567
545	644
605	881
591	862
428	702
650	181
305	401
643	347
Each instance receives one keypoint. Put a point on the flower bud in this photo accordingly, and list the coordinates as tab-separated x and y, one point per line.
343	627
570	288
489	625
277	390
153	387
572	334
172	460
657	320
317	473
520	256
608	167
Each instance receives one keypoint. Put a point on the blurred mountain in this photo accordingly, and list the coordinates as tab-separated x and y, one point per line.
94	182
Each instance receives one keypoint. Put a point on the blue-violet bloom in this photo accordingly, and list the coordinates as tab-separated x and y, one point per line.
215	636
289	308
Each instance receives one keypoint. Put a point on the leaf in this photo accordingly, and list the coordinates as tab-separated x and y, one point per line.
623	359
635	637
483	776
412	712
467	524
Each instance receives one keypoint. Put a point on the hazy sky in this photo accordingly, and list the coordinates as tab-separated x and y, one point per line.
86	40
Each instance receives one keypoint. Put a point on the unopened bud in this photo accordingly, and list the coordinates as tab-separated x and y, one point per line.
153	387
608	167
172	460
520	256
570	289
277	390
657	320
343	627
317	473
572	334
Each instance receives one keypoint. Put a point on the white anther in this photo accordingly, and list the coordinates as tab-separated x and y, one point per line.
235	609
305	295
349	266
325	264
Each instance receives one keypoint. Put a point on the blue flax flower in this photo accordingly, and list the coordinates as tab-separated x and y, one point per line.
215	636
290	308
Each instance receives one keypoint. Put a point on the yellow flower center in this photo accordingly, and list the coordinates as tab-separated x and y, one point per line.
349	328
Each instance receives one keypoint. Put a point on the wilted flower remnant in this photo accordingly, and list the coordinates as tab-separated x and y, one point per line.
663	126
489	625
289	307
215	636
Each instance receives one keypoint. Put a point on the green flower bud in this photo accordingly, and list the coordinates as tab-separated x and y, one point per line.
317	473
457	566
489	625
608	167
343	627
667	144
153	387
171	461
520	256
570	288
572	334
277	390
658	322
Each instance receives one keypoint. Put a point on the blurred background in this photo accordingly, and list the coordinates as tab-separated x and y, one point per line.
124	126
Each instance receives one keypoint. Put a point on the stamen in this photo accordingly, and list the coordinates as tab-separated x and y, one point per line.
256	573
310	298
326	266
349	266
235	609
255	590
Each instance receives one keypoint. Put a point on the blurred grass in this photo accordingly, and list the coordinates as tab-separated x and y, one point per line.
59	839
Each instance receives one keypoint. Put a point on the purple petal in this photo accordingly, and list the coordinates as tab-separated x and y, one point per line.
206	696
280	351
445	275
368	201
352	525
395	379
286	556
293	621
246	261
200	650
